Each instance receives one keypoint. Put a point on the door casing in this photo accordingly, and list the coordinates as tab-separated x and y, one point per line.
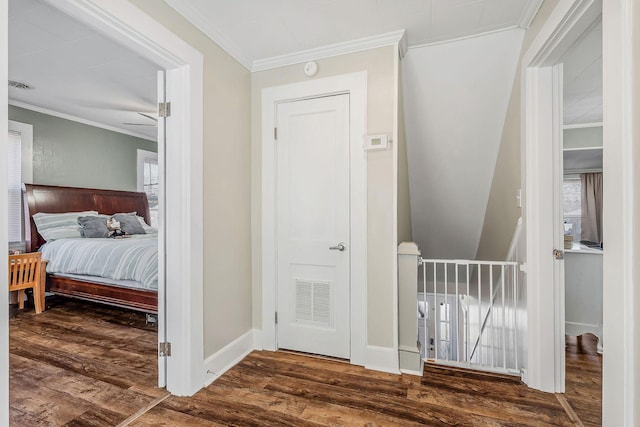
182	244
541	147
355	85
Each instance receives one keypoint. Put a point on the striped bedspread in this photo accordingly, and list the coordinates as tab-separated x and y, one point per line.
134	258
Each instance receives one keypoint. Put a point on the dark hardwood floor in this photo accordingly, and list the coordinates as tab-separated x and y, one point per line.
583	381
81	364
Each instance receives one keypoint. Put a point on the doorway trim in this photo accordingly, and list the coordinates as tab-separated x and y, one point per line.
355	84
541	133
181	244
4	232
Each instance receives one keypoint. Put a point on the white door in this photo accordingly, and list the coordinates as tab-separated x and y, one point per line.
160	215
557	169
313	234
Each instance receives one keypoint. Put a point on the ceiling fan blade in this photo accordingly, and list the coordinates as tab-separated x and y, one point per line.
148	116
141	124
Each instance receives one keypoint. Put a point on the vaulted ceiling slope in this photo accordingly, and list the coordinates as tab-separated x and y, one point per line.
455	101
583	78
77	71
254	30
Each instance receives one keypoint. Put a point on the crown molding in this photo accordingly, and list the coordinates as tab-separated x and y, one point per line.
342	48
470	36
53	113
192	15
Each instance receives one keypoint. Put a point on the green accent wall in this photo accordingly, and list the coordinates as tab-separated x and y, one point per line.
74	154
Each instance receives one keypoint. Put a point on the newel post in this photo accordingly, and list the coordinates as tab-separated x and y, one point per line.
408	346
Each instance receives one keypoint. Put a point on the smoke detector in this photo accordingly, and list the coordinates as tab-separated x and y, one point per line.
19	85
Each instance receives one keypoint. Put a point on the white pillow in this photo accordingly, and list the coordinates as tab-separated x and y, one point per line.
54	226
147	228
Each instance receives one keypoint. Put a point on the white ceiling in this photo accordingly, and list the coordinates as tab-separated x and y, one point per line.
583	78
76	71
254	30
80	73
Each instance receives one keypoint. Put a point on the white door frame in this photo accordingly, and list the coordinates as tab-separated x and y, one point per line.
541	130
355	84
621	222
182	243
4	241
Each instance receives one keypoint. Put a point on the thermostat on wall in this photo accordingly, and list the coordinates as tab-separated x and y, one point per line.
376	142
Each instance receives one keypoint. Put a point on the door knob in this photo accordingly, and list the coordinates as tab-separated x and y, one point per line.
339	247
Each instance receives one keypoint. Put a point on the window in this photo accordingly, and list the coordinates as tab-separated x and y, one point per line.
19	162
572	206
14	184
149	181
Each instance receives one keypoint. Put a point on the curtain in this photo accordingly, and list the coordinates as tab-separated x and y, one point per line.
592	206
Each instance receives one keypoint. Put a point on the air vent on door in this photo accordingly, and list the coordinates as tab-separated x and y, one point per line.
313	302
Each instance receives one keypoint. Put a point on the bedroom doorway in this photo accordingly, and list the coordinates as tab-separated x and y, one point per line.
313	226
72	141
181	245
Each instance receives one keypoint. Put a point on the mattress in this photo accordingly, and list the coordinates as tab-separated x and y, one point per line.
133	259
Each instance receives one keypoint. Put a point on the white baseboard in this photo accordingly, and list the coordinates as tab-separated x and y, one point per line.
230	355
410	372
382	359
257	339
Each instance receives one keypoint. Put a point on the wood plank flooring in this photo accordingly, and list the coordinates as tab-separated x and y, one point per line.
583	382
282	389
81	364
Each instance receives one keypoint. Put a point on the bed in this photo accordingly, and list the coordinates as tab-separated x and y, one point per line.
55	199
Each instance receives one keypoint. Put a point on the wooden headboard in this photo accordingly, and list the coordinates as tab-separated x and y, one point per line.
53	199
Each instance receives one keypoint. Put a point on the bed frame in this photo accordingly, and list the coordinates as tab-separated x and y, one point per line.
53	199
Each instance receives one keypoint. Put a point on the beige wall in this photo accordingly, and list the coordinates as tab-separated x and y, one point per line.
405	233
379	64
227	183
502	212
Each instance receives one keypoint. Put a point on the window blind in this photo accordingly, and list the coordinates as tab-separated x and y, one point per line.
14	159
151	187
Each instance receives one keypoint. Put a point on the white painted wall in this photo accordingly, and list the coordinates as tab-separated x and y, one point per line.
455	101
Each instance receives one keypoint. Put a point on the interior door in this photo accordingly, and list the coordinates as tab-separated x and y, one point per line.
162	283
557	169
313	248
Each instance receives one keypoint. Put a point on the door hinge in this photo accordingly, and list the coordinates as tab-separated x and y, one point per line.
275	133
164	349
276	317
164	109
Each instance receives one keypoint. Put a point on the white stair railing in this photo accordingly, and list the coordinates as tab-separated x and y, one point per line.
468	314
